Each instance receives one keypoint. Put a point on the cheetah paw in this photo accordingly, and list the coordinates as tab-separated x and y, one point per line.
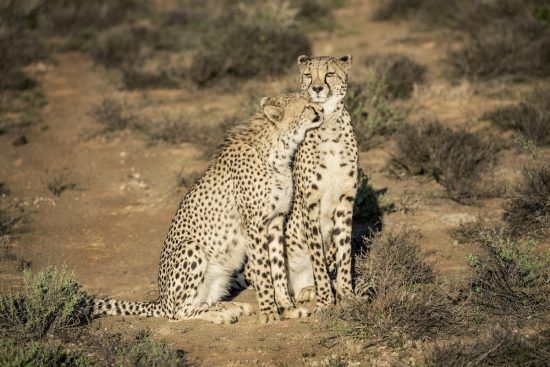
245	309
307	294
295	313
224	318
270	317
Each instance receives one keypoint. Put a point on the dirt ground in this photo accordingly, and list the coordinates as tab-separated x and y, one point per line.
111	227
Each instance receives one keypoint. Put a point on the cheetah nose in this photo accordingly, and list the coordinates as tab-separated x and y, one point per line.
317	88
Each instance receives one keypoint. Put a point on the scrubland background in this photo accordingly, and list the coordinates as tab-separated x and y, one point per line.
109	110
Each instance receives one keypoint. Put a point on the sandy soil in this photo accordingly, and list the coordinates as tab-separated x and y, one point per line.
111	228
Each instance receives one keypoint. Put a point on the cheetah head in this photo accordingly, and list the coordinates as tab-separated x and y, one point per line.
324	78
292	112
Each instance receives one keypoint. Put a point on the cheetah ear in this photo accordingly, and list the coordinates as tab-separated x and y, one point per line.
345	61
303	58
273	113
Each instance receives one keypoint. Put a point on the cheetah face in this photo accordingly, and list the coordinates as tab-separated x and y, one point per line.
324	78
292	112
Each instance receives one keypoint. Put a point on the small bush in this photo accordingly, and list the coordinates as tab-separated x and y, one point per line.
509	47
114	115
456	159
507	278
400	299
399	72
531	117
392	260
124	45
402	314
528	211
49	301
145	352
60	183
499	348
392	9
11	218
18	48
14	354
257	41
372	114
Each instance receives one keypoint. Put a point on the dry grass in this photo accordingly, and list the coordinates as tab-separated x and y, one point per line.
497	348
531	117
528	210
456	159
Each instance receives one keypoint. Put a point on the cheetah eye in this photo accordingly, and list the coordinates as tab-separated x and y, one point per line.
330	73
307	75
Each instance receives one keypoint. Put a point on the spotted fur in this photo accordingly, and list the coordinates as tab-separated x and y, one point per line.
318	231
235	210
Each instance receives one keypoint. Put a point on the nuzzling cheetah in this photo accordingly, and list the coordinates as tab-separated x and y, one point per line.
235	210
318	230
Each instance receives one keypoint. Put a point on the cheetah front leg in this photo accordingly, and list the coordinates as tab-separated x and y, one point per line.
312	224
342	242
279	273
262	279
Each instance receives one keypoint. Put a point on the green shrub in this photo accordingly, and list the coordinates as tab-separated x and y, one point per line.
49	301
18	354
145	352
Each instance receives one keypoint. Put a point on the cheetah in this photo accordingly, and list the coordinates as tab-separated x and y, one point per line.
318	229
235	210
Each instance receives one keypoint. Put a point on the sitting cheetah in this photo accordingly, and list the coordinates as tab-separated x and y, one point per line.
318	230
235	210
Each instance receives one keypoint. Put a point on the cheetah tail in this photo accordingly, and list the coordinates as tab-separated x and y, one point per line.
106	306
